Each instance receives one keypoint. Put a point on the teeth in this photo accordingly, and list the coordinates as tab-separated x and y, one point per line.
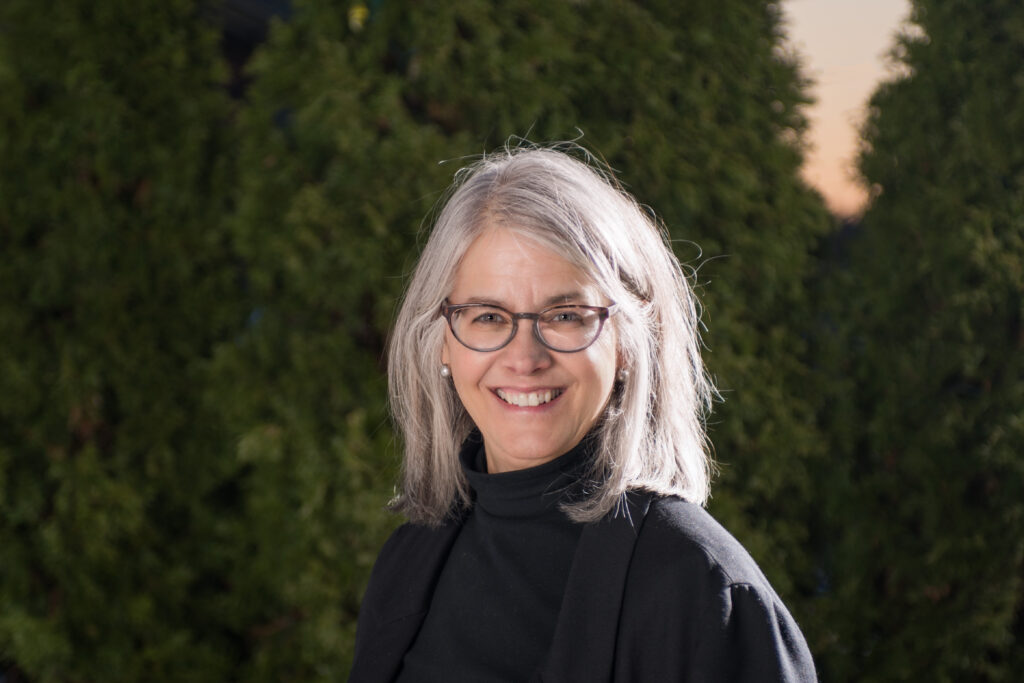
528	400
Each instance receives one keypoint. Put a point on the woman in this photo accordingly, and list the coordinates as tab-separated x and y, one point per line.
545	372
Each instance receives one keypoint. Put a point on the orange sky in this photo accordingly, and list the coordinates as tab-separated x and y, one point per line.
843	44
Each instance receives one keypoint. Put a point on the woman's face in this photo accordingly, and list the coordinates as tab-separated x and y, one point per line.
514	272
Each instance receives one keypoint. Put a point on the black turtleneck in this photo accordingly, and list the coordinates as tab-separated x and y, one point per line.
494	609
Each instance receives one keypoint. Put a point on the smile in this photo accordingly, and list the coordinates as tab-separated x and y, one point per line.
524	400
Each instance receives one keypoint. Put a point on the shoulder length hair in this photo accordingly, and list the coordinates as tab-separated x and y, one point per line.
652	435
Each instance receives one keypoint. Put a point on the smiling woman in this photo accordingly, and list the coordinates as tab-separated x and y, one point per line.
545	371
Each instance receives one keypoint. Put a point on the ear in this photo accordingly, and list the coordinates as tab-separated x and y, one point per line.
444	350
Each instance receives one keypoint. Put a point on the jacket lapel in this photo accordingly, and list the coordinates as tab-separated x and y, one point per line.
410	578
583	647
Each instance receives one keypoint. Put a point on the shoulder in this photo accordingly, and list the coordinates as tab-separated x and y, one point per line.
412	541
697	606
412	547
405	569
684	536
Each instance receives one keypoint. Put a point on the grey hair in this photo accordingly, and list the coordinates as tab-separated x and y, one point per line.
651	436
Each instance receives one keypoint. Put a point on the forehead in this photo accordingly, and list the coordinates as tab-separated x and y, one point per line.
508	267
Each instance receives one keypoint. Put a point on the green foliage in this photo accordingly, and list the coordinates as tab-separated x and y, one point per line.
194	447
117	287
927	505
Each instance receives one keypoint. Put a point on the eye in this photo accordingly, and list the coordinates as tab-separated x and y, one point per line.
565	317
488	316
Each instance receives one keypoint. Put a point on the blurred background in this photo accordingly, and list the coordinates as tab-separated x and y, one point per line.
207	214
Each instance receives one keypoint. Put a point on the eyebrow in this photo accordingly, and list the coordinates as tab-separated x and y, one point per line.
564	298
568	297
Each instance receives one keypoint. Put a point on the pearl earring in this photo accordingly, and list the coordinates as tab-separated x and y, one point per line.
622	376
446	371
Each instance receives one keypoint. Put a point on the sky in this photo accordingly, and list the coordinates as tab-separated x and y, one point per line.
843	46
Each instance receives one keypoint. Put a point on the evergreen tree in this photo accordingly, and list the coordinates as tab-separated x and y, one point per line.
149	531
117	285
927	515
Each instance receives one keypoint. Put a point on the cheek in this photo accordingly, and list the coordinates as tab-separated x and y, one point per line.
596	374
466	366
461	361
606	361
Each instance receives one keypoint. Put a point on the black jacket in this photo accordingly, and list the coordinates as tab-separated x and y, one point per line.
660	594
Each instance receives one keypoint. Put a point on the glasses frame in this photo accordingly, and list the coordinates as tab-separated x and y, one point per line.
603	313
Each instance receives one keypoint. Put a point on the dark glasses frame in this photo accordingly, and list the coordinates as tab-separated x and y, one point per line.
603	313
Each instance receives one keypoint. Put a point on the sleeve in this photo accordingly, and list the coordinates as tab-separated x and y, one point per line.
747	635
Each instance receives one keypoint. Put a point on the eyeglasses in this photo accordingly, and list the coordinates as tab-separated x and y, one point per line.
565	328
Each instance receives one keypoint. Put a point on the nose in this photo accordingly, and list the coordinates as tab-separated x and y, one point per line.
525	355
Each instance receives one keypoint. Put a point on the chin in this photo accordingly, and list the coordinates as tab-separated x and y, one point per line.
528	452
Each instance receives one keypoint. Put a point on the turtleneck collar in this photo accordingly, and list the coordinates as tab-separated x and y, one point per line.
533	492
